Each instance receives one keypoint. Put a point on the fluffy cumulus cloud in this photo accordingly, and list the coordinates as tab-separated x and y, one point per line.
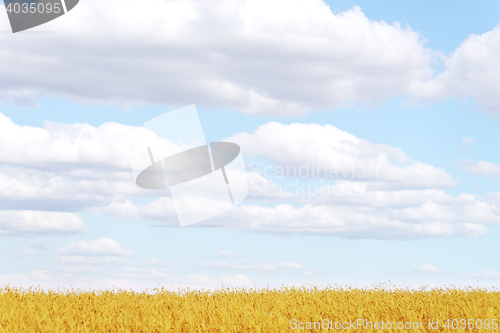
352	211
59	147
259	57
345	186
66	167
355	222
29	223
472	70
406	214
99	247
49	173
484	168
377	190
162	210
315	151
83	256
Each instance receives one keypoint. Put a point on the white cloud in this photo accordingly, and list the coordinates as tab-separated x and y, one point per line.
133	269
200	279
361	213
236	280
158	262
336	155
216	54
207	281
473	69
65	167
61	147
82	256
484	168
25	188
138	274
401	201
161	210
222	54
356	222
466	142
41	275
106	247
156	274
427	268
31	249
26	223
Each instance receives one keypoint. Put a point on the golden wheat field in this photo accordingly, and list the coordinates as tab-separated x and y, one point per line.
306	309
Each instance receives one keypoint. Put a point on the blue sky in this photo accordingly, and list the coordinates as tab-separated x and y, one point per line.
291	82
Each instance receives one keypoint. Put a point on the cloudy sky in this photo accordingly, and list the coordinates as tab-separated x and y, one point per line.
391	110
